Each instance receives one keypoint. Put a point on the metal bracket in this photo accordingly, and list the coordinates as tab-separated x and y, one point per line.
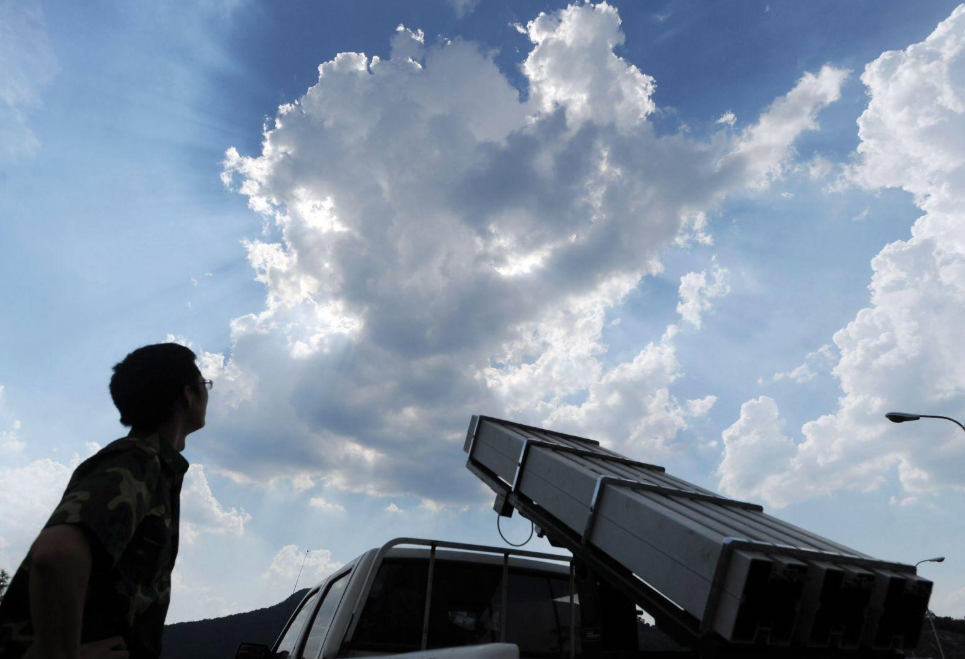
471	434
502	506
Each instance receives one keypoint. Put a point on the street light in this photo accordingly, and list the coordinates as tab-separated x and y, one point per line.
937	559
931	618
901	417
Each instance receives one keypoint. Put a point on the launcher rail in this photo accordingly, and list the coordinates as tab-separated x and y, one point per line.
718	575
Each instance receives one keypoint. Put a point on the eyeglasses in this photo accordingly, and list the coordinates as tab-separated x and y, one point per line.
208	384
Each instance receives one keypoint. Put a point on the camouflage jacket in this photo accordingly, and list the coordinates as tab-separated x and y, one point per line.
126	498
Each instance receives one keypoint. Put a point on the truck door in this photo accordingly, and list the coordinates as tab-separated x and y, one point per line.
315	638
288	639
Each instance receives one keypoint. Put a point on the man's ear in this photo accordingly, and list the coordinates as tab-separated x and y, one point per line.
188	395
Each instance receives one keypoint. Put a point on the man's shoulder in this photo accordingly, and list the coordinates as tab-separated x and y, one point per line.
129	452
131	445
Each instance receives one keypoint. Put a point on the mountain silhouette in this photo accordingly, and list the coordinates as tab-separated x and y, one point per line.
218	638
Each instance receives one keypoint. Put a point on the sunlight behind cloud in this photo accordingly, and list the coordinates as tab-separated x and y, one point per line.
469	247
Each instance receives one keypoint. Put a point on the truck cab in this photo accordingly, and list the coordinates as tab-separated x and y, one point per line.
412	596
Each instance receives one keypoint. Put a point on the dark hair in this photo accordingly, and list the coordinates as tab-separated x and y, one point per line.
148	381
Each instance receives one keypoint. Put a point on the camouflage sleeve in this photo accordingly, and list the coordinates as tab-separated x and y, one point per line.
108	497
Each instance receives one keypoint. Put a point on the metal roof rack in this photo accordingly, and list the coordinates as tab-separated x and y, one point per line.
433	545
718	575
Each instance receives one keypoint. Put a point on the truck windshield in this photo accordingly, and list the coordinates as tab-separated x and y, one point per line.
466	608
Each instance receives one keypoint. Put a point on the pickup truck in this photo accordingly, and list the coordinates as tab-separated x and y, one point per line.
442	599
719	577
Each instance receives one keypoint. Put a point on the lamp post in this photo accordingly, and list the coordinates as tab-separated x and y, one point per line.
929	614
937	559
901	417
931	619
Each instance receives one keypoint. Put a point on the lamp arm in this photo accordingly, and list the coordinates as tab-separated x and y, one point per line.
947	418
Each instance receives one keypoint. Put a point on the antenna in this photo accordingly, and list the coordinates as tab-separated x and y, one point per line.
300	571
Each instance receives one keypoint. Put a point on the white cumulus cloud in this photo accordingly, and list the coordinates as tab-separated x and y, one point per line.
201	510
902	352
818	168
764	146
325	505
28	494
440	247
302	482
727	119
697	292
816	362
289	561
698	407
573	66
755	447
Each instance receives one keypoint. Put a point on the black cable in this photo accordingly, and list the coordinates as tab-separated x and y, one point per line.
532	527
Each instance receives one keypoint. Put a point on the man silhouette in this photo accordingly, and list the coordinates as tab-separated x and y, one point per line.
96	582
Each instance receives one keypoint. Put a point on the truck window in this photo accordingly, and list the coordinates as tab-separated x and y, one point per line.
323	619
538	614
466	608
466	604
287	642
392	617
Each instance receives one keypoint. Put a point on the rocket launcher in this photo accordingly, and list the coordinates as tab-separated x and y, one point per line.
714	572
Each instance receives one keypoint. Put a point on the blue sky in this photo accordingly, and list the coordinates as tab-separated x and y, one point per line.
695	231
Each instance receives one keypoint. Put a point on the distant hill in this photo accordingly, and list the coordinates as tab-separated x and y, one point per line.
951	631
218	638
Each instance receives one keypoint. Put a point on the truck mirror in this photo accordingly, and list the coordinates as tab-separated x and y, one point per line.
252	651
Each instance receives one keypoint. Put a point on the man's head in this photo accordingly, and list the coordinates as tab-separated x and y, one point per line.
155	382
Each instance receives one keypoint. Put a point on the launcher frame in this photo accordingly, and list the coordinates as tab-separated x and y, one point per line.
696	632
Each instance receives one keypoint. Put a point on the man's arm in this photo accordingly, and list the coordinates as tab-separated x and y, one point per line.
59	571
